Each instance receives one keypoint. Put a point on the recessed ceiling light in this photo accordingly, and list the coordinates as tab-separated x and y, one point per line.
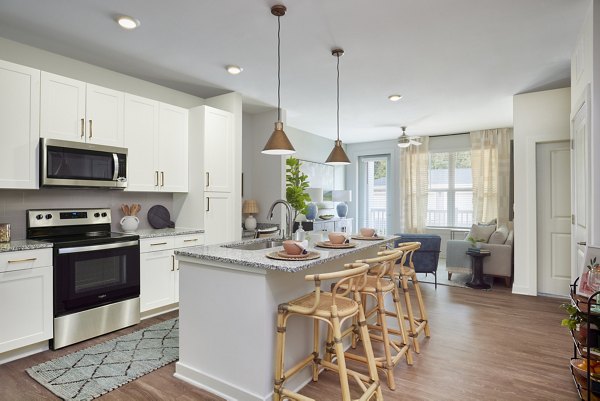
395	98
127	22
234	69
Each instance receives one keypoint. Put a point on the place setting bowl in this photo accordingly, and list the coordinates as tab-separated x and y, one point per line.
367	234
294	250
337	240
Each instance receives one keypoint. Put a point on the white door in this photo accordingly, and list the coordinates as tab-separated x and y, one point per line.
554	217
218	218
19	125
218	150
62	108
580	179
156	279
141	137
104	112
173	148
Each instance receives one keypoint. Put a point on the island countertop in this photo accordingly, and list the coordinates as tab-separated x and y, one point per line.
224	253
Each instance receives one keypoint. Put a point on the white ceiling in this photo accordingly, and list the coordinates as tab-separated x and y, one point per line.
457	63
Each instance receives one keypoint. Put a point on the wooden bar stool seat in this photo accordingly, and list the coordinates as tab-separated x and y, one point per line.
395	341
333	308
402	274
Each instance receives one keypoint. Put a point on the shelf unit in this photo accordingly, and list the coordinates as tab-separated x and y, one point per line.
584	305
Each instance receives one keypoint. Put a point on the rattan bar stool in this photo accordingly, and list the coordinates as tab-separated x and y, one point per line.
402	274
395	341
333	308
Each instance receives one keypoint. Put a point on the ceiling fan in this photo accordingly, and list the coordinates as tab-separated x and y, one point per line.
404	141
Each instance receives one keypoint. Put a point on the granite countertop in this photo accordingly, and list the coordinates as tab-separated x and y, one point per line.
23	245
257	258
166	232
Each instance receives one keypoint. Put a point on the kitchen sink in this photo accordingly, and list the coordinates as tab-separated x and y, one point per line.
253	246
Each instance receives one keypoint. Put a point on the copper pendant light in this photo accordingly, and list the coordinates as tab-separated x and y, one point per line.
338	156
278	143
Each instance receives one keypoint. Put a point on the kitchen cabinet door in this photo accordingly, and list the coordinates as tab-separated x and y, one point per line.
327	226
218	218
141	137
218	150
343	225
19	125
173	148
104	113
26	315
156	279
62	114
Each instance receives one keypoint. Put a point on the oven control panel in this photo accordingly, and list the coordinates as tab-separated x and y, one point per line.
67	217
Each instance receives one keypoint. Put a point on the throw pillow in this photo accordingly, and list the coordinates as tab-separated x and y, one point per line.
481	233
499	236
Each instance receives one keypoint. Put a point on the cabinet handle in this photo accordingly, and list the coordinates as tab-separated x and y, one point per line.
208	204
583	243
22	260
90	130
173	263
207	179
162	178
82	128
156	177
190	240
158	243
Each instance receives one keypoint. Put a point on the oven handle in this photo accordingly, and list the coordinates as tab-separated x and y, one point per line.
79	249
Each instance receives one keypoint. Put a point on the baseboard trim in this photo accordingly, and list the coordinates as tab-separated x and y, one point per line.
521	290
22	352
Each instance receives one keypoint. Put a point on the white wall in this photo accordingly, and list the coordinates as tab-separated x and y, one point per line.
538	117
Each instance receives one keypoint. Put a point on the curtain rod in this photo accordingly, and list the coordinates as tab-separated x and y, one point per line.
458	133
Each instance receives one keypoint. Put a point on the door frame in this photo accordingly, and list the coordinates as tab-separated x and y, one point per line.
362	196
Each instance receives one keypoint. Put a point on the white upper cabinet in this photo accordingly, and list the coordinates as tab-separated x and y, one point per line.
76	111
19	125
156	135
218	218
218	150
140	134
173	148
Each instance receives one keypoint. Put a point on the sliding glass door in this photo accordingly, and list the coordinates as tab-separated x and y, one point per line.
374	193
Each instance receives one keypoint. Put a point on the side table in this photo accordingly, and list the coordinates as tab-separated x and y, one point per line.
477	262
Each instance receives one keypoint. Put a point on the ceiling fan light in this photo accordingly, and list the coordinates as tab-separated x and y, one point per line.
278	143
338	156
403	142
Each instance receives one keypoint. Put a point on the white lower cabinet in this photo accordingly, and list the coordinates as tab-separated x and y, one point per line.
26	298
159	271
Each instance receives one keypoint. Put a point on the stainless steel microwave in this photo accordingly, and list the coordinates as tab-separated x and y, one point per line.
77	164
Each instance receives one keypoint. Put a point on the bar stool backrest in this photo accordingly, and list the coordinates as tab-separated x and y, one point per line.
408	249
383	264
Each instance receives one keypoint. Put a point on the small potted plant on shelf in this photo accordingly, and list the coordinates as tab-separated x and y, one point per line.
578	323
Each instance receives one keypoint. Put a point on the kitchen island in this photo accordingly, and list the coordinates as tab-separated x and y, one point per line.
228	302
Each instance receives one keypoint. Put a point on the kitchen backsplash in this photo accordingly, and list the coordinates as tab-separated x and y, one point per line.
14	203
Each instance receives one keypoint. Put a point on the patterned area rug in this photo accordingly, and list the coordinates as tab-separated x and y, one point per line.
89	373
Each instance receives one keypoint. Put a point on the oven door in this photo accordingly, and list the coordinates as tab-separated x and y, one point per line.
95	275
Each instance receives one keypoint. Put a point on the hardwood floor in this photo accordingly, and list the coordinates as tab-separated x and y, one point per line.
485	345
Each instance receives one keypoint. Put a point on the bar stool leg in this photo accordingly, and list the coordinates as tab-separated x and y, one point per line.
366	339
339	351
400	318
279	354
422	310
381	318
329	344
316	349
411	316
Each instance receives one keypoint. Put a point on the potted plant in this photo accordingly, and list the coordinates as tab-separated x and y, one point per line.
295	186
578	323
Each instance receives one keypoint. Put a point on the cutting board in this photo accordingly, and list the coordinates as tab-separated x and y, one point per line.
159	217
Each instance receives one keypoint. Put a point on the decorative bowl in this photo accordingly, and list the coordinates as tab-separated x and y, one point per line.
326	216
292	248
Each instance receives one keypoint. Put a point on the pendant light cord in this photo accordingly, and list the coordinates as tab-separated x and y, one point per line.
338	97
278	68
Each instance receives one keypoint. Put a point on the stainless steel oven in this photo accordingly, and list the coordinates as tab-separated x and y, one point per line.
78	164
96	272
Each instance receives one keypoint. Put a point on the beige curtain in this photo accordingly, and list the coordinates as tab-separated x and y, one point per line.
414	177
490	164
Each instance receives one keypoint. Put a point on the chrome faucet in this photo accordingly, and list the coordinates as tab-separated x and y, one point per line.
289	220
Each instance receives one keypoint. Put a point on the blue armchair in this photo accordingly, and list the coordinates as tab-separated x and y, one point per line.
427	257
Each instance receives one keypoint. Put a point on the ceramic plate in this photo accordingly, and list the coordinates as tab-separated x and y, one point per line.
328	244
280	255
360	237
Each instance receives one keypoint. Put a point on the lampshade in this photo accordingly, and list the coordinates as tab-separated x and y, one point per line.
278	143
338	156
250	207
342	195
316	194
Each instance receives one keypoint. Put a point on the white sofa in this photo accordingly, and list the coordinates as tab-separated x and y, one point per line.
498	264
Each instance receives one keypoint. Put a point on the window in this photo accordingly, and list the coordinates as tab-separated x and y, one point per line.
374	194
450	198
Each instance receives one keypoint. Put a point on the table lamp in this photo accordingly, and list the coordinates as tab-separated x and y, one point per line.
250	207
316	195
342	196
